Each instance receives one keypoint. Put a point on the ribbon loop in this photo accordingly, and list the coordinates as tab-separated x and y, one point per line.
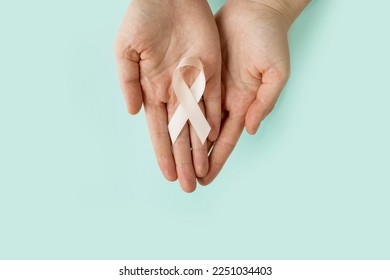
188	102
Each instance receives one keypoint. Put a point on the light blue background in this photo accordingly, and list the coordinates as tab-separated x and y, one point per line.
78	178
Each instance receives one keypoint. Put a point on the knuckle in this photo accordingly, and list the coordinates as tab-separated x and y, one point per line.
225	145
280	72
130	54
283	74
126	52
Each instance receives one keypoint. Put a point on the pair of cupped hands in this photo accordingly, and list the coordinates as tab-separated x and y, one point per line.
245	55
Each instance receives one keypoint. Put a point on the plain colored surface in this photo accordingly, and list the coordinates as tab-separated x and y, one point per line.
78	177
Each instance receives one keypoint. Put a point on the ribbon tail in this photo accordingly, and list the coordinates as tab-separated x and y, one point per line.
177	123
201	127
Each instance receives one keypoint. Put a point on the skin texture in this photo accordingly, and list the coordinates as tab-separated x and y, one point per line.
255	68
154	36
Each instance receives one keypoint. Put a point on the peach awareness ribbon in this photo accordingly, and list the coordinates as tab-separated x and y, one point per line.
188	98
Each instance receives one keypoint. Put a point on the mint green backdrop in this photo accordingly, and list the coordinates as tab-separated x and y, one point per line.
78	178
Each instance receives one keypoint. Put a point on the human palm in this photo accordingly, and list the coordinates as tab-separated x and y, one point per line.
153	38
255	69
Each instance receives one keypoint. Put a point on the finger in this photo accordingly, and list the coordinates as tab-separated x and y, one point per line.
128	70
210	144
199	151
182	155
267	96
231	130
212	102
183	159
156	116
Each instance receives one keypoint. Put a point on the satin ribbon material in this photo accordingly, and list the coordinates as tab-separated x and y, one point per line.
188	98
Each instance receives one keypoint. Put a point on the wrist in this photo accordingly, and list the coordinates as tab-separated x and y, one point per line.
169	2
289	9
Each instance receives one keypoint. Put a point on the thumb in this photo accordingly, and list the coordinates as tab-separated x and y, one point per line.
128	70
267	96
